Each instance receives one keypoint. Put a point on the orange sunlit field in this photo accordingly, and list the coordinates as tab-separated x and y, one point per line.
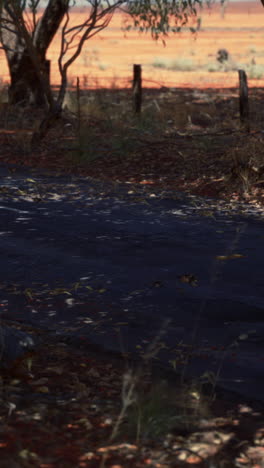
186	61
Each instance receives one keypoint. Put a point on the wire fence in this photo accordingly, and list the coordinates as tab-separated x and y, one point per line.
113	81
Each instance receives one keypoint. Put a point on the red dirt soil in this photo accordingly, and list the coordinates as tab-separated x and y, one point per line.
107	58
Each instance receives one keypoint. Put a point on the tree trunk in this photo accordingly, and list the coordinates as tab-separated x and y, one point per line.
26	79
26	87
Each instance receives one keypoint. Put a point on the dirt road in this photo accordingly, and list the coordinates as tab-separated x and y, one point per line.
105	265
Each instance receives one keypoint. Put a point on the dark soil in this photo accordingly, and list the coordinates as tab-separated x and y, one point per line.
62	412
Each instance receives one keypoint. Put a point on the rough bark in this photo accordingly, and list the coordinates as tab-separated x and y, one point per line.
49	25
25	85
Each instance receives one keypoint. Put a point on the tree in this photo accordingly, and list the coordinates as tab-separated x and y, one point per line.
27	30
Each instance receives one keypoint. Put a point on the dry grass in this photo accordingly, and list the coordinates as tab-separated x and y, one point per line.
100	410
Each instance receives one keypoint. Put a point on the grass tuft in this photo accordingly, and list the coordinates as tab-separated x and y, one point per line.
180	64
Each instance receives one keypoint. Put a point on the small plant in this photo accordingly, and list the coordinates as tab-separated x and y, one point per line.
103	66
255	71
160	63
247	166
213	67
180	64
164	408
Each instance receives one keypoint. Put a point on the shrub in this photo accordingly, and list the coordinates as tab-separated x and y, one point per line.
180	64
255	71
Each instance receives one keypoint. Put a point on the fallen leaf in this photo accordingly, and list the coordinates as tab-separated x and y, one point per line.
42	389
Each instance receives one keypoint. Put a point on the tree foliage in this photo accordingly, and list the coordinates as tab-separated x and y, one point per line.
162	17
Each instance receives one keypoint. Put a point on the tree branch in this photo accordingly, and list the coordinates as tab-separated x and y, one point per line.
49	24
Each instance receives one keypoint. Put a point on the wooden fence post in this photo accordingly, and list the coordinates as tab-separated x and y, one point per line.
137	88
243	99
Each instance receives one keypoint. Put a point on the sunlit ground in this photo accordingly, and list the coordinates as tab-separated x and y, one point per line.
186	61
